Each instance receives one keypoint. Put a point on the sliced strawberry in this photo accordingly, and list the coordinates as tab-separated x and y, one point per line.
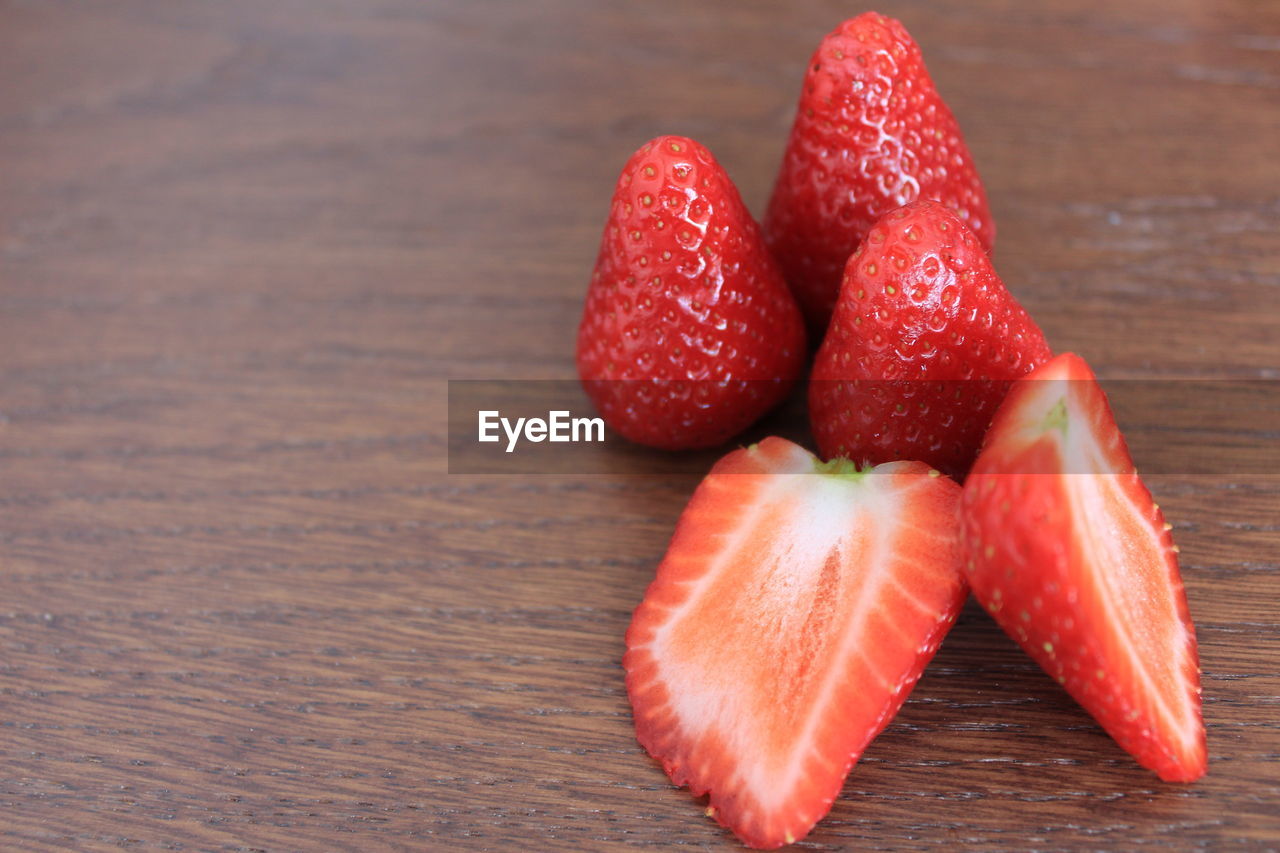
1067	551
795	609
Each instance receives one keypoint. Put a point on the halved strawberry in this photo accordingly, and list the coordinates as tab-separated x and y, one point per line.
1067	551
795	609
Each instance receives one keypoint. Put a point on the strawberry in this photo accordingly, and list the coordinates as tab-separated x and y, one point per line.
921	346
795	609
871	133
1067	551
689	333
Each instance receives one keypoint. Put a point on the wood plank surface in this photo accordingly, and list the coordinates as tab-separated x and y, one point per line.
245	244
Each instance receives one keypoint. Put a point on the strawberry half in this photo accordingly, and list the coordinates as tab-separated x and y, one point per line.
1067	551
871	133
922	345
689	333
795	609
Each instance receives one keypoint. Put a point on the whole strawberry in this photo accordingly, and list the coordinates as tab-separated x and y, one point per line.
871	133
689	333
922	346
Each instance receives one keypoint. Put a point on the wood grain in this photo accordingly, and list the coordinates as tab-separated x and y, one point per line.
243	245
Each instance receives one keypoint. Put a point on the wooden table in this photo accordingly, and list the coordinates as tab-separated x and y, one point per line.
243	245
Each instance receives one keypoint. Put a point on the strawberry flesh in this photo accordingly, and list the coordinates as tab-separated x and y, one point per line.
1066	549
795	609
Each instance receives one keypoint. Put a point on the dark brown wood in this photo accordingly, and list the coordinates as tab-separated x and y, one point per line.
243	245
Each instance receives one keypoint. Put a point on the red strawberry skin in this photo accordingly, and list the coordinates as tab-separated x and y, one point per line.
871	133
689	333
795	609
1067	551
922	345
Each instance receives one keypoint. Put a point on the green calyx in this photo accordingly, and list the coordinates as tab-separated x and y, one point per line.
841	467
1057	418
